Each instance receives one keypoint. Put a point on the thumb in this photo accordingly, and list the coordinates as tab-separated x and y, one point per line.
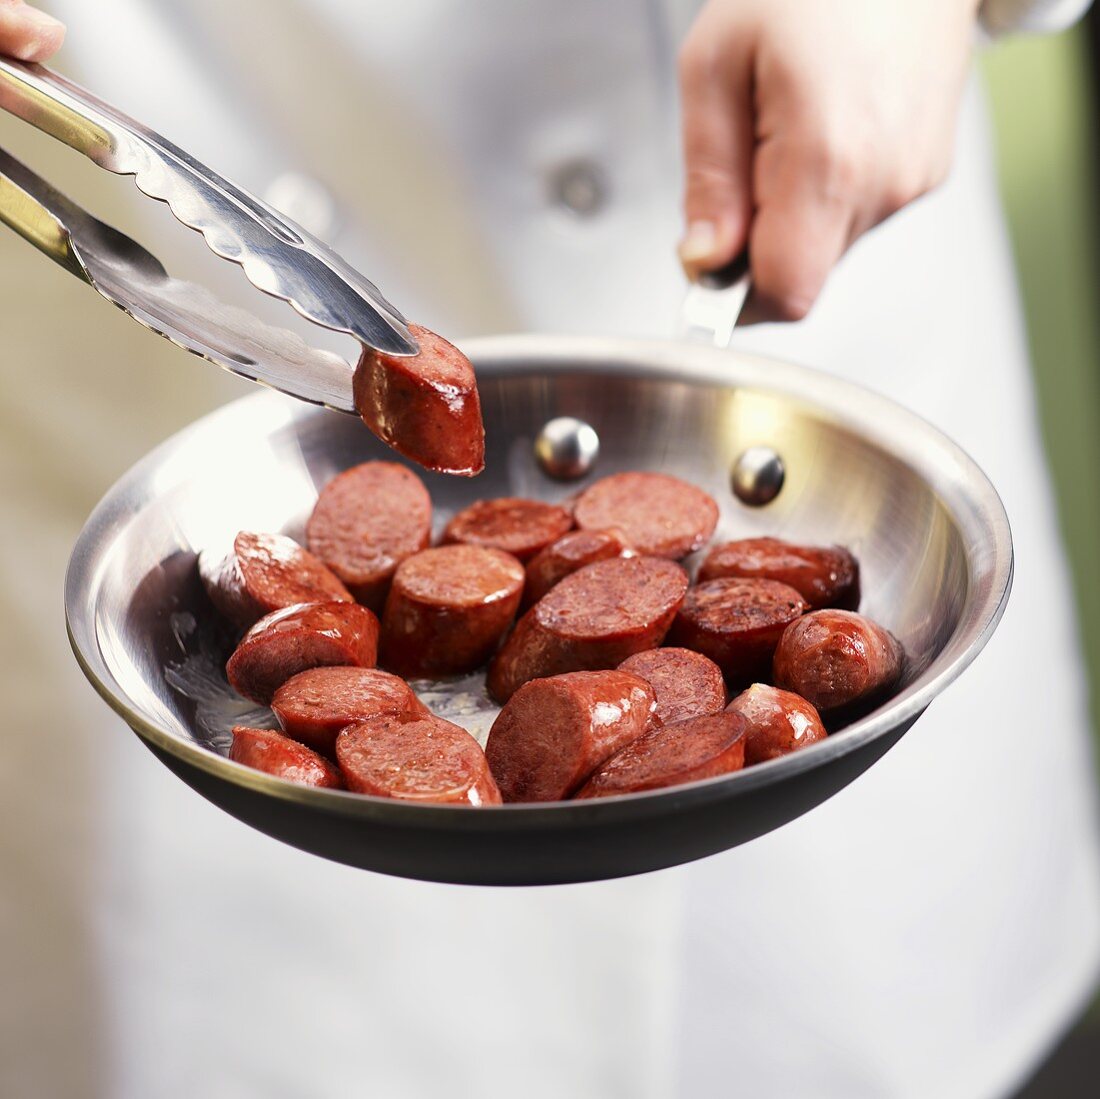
717	126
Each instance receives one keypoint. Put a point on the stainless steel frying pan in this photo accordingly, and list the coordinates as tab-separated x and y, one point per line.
927	525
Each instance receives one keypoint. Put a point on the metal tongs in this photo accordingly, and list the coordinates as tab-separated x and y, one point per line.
278	257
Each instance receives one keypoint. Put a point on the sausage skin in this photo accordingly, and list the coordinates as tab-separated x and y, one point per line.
269	751
415	757
367	520
554	732
315	705
737	623
264	573
425	406
825	576
670	755
779	722
290	640
593	619
448	608
517	526
660	515
687	684
838	660
569	553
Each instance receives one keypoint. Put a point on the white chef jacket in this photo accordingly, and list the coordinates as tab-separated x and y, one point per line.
494	165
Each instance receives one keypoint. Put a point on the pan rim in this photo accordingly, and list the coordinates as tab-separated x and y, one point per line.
945	466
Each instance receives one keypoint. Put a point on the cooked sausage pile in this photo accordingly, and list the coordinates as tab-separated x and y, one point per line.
592	704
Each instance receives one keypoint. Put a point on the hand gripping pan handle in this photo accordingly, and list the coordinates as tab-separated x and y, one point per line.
714	303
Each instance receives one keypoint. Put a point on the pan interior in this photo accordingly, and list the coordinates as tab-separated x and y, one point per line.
260	463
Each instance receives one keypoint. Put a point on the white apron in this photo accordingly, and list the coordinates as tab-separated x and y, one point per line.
515	166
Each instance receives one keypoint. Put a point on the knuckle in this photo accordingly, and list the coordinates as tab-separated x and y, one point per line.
706	176
791	307
840	166
902	188
898	193
698	62
779	295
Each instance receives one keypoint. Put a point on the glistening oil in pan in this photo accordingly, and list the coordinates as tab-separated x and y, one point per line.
198	675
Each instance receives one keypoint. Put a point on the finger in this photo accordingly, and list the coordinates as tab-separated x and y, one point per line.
799	232
27	33
717	125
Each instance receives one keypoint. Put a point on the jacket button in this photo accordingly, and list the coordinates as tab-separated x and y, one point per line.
579	186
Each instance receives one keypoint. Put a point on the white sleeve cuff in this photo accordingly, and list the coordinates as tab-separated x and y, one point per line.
1044	16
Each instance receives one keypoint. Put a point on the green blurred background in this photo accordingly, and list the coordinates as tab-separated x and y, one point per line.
1046	106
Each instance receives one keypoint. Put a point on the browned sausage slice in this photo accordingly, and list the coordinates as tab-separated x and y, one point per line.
290	640
554	732
838	660
315	705
595	618
448	609
687	684
425	406
569	553
825	576
519	527
367	520
669	755
779	722
267	750
264	573
416	758
659	514
737	623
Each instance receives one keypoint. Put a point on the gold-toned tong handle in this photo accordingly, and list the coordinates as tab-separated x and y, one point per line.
57	107
38	213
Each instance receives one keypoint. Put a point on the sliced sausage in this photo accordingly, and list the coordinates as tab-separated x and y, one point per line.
569	553
595	618
825	576
779	722
448	609
659	514
308	635
670	755
519	527
687	684
315	705
264	573
555	732
367	520
737	623
415	758
426	406
269	751
838	660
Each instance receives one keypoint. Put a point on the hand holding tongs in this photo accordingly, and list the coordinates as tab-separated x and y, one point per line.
278	257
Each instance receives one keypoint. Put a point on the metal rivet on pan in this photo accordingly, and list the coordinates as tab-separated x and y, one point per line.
567	448
757	476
